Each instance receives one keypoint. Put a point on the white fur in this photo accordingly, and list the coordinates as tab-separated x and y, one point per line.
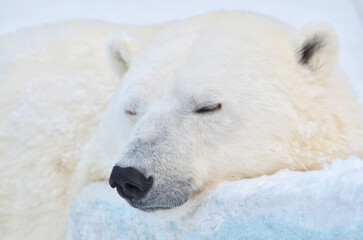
55	85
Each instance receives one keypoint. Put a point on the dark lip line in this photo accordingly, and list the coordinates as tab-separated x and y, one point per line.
153	208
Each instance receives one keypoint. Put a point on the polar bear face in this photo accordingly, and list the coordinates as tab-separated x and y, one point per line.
200	104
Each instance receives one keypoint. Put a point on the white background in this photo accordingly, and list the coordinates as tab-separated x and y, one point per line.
346	16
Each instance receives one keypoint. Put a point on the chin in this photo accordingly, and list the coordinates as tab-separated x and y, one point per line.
175	213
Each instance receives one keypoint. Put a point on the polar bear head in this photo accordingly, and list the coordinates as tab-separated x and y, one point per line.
218	97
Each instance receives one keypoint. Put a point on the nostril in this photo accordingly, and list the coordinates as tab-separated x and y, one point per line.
132	188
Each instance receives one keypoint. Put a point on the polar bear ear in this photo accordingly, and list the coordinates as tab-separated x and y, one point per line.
318	47
121	50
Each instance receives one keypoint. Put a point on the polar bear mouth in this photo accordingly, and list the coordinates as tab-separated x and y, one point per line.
153	208
157	201
142	206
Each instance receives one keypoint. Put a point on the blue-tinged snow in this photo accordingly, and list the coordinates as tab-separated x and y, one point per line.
325	204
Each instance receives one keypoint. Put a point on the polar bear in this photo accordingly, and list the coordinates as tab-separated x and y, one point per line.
222	96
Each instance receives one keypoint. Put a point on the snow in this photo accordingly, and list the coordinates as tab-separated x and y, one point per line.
325	204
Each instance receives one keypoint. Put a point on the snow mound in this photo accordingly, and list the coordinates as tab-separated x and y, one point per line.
326	204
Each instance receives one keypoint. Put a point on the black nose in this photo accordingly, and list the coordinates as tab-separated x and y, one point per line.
129	182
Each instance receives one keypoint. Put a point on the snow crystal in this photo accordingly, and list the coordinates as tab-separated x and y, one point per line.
325	204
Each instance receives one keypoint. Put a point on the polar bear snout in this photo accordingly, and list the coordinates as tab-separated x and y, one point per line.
130	183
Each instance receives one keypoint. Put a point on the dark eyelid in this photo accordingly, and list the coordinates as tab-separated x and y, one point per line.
209	108
129	112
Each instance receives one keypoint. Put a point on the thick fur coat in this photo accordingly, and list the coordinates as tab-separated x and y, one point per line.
217	97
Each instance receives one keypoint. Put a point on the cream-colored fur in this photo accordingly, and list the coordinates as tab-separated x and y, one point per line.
55	85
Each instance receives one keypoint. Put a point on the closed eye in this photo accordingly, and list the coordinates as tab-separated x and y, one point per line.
209	108
129	112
